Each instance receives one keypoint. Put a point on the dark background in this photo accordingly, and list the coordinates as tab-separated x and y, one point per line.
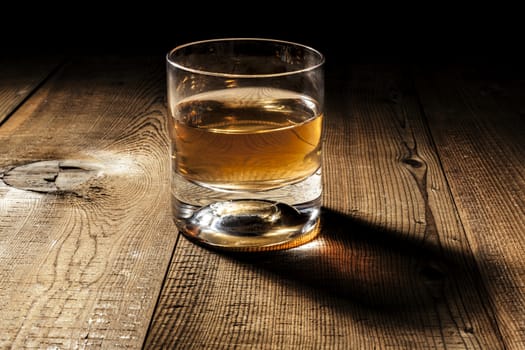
345	32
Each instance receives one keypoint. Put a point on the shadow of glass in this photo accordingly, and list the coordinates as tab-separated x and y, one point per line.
376	269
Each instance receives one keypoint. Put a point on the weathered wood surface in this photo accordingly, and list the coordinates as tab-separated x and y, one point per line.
85	231
21	77
477	118
393	266
420	246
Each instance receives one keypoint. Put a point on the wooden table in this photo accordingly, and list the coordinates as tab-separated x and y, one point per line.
423	223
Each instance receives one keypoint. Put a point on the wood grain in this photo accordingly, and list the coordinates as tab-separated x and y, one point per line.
19	77
392	267
82	260
420	246
476	115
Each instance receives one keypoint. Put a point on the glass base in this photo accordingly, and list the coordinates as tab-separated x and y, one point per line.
250	225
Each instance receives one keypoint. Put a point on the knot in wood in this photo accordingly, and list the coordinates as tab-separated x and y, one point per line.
51	175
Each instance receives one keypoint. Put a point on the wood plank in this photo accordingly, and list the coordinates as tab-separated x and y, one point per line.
476	115
392	267
85	233
19	78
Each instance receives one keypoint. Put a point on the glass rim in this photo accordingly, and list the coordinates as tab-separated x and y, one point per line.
235	75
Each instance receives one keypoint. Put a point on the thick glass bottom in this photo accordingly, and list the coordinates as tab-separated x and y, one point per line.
249	224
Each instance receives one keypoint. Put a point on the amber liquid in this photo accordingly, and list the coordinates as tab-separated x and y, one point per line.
247	138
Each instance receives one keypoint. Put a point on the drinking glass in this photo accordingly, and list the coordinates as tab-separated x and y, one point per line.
245	121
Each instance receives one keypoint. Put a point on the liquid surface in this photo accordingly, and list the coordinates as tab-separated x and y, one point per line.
247	138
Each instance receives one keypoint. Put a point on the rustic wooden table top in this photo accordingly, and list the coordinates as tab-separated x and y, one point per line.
423	223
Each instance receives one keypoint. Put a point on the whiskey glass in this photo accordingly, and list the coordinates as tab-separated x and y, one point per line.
245	123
